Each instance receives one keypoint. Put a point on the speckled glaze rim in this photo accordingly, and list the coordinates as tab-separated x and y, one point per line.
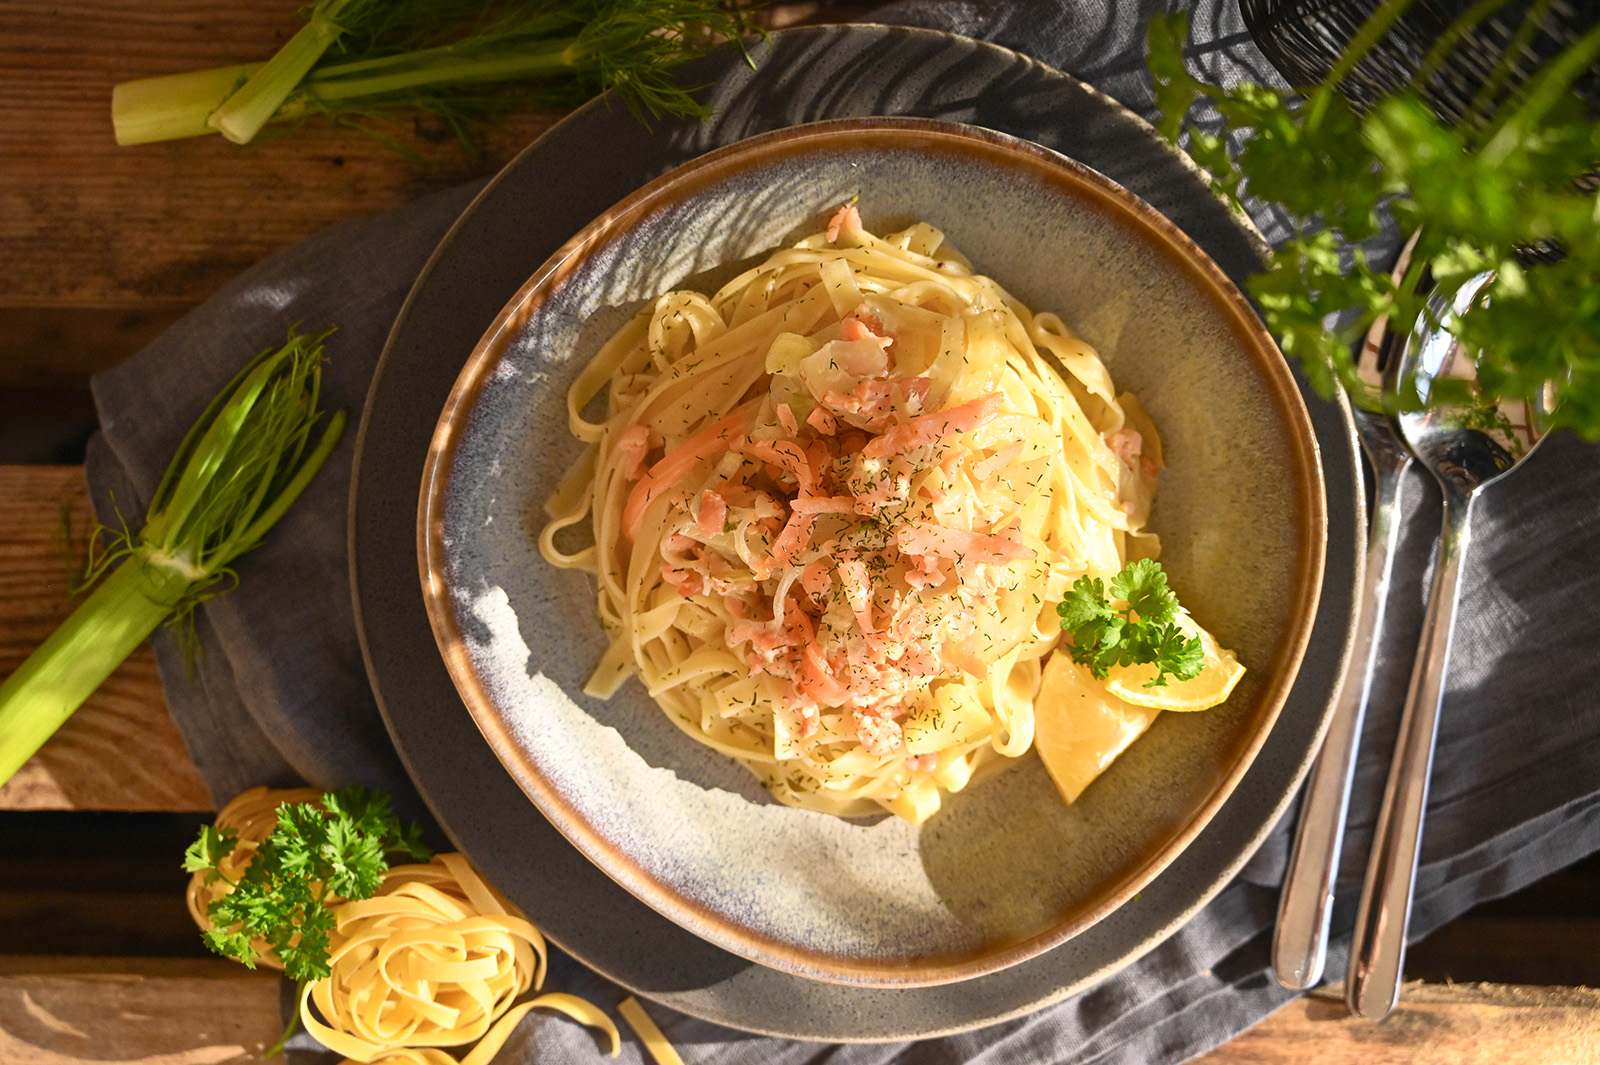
1070	178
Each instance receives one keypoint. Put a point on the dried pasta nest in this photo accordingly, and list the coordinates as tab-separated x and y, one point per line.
436	958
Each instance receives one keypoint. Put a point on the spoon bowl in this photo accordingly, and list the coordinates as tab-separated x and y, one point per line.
1466	445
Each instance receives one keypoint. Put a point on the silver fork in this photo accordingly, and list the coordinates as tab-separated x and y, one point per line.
1300	942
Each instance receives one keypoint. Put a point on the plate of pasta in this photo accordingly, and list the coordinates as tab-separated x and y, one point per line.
750	529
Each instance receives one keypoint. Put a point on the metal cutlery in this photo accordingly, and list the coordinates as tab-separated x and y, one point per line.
1467	447
1300	941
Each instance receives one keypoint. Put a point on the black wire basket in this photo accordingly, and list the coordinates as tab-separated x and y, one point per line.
1303	39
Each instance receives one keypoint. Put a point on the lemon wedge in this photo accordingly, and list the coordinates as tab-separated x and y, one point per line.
1213	684
1079	727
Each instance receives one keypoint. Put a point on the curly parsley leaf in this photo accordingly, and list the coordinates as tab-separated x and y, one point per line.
1142	584
237	945
1142	631
1177	652
318	855
209	850
1085	604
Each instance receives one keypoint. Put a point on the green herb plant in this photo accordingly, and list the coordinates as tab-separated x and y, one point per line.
1508	176
243	464
459	60
1142	631
320	854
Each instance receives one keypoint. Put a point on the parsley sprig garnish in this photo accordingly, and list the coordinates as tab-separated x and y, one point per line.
317	856
1143	631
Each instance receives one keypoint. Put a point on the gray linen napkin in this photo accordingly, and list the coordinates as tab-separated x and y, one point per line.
280	692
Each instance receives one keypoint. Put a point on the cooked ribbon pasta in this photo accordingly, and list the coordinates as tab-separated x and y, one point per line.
650	1036
834	507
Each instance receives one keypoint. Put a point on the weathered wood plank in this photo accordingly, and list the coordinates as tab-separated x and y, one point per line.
148	922
120	751
87	223
1435	1024
84	221
65	1011
57	1011
1517	945
61	347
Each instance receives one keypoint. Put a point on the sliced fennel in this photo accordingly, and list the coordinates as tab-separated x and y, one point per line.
245	461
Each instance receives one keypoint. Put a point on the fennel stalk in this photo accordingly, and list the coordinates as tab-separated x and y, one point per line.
458	59
253	104
243	464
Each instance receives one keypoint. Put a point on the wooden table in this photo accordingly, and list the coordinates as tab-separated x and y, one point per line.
105	247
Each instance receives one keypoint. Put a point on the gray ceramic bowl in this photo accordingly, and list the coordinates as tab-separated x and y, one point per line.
1006	869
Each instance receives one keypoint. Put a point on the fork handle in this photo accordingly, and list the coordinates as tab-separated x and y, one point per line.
1300	941
1377	954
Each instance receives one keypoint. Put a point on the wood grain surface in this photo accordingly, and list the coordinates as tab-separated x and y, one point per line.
1447	1024
88	224
61	347
85	222
56	1011
60	1011
120	751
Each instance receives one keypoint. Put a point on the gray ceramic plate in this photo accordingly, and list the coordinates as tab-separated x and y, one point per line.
1005	870
542	199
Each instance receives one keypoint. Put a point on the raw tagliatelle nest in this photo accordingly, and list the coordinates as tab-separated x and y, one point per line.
435	958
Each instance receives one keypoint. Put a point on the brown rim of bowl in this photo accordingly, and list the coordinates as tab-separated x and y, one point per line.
1070	178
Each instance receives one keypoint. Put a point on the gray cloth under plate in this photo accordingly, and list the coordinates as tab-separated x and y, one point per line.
280	693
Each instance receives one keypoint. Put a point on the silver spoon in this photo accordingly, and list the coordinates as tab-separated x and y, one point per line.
1300	938
1467	448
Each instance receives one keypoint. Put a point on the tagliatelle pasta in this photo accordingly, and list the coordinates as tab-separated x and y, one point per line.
655	1044
835	505
434	959
578	1009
